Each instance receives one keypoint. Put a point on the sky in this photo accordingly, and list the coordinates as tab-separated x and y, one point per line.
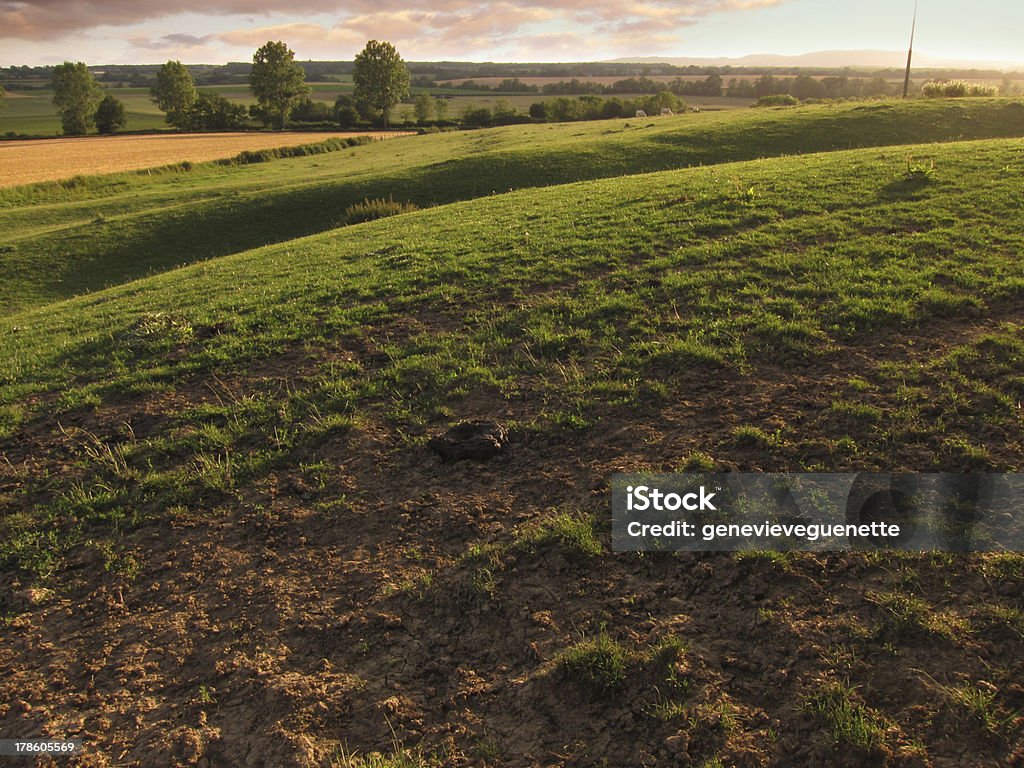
216	31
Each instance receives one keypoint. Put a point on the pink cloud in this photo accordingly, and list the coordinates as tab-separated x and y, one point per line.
453	20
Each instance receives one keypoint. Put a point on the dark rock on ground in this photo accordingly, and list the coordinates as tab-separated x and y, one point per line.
479	440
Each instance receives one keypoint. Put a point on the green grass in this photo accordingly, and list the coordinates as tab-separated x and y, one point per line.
583	301
977	703
574	533
851	722
599	663
31	113
62	239
596	279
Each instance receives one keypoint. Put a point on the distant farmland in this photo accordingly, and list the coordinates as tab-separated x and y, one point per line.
26	162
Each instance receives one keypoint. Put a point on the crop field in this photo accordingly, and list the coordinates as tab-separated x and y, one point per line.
224	539
26	162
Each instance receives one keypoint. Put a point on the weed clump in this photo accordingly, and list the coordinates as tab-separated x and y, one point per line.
158	327
368	210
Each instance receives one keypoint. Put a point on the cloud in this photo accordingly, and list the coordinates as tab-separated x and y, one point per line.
428	24
461	29
48	19
175	41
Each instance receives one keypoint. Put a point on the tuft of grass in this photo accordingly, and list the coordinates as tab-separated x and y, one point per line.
1008	566
857	411
903	615
722	715
919	172
574	532
599	663
852	723
698	461
403	758
783	561
976	702
749	436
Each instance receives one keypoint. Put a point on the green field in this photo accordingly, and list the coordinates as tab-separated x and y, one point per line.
31	112
215	399
63	239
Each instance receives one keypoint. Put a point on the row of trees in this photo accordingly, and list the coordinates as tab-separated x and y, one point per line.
277	82
802	86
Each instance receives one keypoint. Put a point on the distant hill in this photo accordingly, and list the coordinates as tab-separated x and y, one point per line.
830	59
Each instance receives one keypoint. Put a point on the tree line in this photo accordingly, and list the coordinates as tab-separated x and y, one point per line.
802	86
433	74
276	80
382	80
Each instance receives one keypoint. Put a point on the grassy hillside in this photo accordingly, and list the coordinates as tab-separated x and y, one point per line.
223	533
63	239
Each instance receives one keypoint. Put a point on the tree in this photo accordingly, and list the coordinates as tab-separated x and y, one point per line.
277	82
806	87
662	100
478	116
424	107
381	78
212	112
76	95
441	108
175	92
3	98
110	115
309	111
345	112
504	110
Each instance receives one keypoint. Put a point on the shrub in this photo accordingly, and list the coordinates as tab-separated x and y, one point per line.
345	112
211	112
309	111
110	115
368	210
777	100
479	116
956	89
302	150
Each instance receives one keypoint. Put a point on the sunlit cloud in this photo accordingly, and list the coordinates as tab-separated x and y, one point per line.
415	21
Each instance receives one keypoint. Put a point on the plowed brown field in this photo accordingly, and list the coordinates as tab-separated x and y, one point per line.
25	162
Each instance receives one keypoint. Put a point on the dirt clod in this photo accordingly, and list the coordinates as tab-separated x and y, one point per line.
478	440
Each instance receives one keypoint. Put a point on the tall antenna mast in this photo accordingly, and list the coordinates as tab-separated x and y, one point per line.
910	54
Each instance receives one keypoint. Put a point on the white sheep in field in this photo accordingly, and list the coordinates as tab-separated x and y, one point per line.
641	113
666	112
